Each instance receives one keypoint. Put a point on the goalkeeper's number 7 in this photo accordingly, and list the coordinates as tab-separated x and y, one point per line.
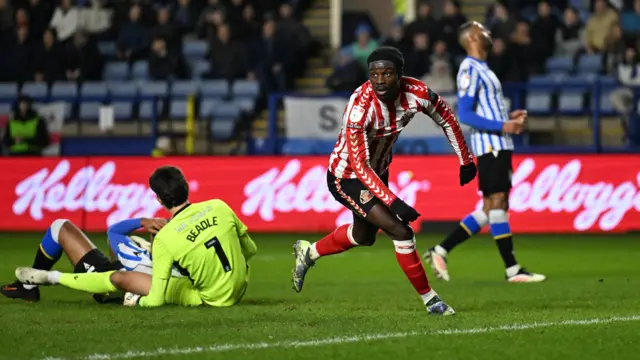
224	260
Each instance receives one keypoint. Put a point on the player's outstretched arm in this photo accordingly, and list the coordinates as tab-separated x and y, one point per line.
468	84
162	263
117	233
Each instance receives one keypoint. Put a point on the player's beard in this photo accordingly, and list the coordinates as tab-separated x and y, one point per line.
487	44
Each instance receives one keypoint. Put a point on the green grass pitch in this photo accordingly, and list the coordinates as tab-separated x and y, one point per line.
357	306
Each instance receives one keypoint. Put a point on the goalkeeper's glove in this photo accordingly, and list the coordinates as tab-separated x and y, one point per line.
131	299
403	211
142	243
467	173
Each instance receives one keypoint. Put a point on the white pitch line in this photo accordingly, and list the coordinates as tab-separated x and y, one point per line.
341	340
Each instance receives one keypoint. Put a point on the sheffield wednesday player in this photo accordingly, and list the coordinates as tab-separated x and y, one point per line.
481	106
64	237
359	170
205	241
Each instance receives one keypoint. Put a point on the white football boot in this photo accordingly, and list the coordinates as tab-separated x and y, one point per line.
303	263
523	276
31	276
438	264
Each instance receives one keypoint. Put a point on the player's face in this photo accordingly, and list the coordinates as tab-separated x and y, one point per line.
484	36
385	82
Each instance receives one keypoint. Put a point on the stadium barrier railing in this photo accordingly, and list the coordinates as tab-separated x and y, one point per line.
551	193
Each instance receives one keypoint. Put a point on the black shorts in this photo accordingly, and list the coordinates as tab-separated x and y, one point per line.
494	172
353	194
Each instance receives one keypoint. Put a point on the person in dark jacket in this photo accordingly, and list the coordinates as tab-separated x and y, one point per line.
49	60
26	132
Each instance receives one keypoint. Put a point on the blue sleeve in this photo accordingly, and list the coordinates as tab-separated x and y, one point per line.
117	233
468	83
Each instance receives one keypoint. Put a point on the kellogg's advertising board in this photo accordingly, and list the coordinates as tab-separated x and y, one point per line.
551	193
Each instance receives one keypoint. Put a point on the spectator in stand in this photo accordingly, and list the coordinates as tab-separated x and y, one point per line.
363	46
439	78
630	20
40	13
543	33
186	16
214	21
424	23
234	12
65	20
271	57
449	24
213	9
82	60
133	39
26	132
629	77
521	53
501	23
297	36
418	62
249	31
19	57
95	19
228	58
6	20
398	39
599	27
167	30
49	66
22	21
347	75
499	60
615	49
163	65
570	34
440	53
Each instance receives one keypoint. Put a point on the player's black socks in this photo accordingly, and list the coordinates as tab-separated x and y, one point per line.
505	246
42	262
455	238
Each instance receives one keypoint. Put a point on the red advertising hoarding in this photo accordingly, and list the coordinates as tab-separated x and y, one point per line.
551	193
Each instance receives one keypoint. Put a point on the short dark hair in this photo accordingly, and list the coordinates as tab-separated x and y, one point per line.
170	186
388	53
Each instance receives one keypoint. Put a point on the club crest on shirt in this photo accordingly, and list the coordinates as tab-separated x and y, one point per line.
357	113
465	81
365	196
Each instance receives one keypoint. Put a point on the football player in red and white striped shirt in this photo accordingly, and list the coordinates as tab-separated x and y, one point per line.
359	170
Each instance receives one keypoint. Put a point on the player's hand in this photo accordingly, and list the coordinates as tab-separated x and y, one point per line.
131	299
153	225
467	173
513	127
519	115
403	211
142	243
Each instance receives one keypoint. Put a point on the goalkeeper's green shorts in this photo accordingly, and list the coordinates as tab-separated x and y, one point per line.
180	291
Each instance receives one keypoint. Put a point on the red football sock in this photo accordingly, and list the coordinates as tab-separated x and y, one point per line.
335	243
410	262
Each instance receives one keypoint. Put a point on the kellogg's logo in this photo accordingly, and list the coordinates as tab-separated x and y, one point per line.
89	189
275	191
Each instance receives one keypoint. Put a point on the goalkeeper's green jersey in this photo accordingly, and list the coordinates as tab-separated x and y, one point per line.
207	243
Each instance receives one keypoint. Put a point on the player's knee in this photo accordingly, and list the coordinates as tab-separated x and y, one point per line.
498	202
56	226
117	279
401	232
365	239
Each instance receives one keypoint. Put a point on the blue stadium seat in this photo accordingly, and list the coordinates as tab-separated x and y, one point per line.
123	88
64	89
571	102
107	49
178	109
214	88
199	68
145	111
559	64
153	88
590	63
90	110
298	147
194	49
543	80
606	107
226	110
6	108
8	91
140	70
539	103
123	110
246	104
94	89
184	88
37	90
608	81
245	88
207	106
222	129
118	70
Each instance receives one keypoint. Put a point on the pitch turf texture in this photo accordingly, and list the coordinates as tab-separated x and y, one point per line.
357	306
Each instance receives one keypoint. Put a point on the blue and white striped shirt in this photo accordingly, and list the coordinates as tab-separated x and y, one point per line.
481	105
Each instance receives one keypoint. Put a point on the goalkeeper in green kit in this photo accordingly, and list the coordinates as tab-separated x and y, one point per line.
205	241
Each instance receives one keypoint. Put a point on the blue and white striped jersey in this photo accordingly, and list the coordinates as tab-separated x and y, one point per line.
481	105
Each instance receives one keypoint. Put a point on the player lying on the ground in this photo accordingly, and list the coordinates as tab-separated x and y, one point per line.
482	106
206	241
359	170
127	252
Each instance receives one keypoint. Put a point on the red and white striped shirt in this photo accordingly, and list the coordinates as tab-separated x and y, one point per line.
371	126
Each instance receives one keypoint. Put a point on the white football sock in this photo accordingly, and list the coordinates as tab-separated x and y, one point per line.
54	276
29	287
513	270
313	253
428	296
